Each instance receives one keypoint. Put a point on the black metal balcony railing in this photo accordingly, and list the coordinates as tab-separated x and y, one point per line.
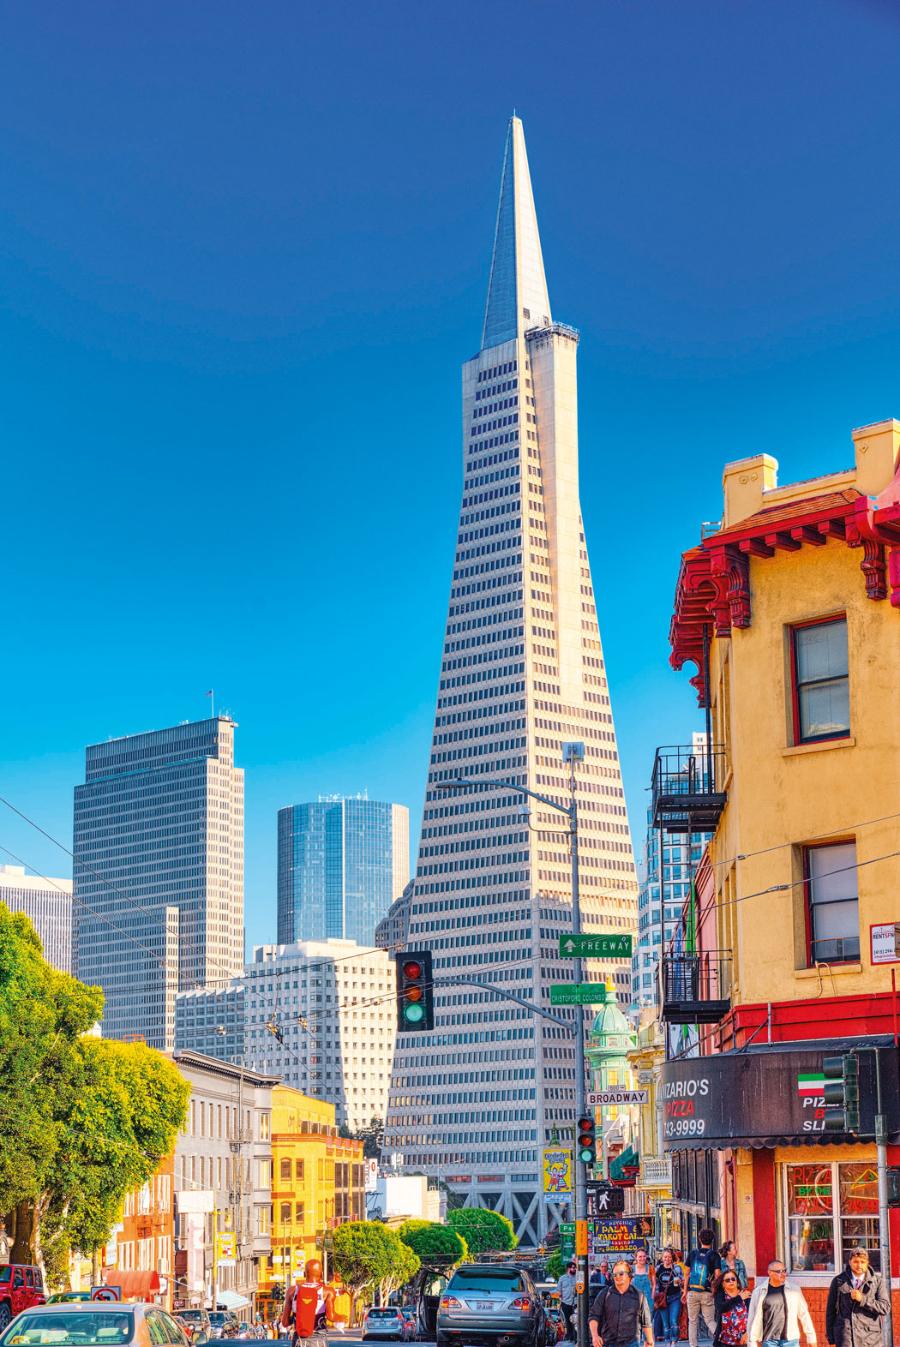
686	788
696	987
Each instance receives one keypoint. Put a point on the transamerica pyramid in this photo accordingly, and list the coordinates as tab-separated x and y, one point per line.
474	1101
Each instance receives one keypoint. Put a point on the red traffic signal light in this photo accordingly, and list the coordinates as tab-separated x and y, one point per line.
415	1009
586	1140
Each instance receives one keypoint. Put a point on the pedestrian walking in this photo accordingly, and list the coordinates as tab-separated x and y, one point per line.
777	1312
667	1299
731	1311
643	1275
857	1304
704	1265
567	1293
728	1255
620	1315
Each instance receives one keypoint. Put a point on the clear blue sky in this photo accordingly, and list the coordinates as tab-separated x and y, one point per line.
243	253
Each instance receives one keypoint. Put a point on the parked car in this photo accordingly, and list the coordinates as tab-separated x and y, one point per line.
409	1314
487	1301
386	1323
94	1323
193	1321
21	1287
222	1324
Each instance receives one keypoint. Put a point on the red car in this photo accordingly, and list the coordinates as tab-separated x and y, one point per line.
21	1288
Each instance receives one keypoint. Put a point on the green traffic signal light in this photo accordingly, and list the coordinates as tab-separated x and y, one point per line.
415	1006
586	1140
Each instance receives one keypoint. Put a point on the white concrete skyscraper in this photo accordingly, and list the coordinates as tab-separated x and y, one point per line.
522	673
159	872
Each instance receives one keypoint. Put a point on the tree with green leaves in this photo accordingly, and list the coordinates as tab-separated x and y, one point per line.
367	1255
82	1119
483	1230
438	1246
556	1266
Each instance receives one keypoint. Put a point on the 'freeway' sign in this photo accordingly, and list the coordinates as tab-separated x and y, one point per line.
595	946
611	1098
577	993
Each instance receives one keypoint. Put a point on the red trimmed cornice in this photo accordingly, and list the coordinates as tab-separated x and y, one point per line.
712	595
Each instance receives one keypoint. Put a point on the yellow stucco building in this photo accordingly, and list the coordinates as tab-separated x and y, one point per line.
317	1184
790	610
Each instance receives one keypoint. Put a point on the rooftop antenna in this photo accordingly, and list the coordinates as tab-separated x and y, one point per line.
212	703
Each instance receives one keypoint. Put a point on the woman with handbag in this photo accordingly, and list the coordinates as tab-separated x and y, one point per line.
667	1292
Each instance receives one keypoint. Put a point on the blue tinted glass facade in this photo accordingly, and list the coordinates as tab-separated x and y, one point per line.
336	869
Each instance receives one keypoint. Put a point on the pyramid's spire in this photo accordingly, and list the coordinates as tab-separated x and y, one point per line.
517	290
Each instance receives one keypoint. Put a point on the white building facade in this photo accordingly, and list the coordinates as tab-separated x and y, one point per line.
48	904
321	1015
522	674
223	1180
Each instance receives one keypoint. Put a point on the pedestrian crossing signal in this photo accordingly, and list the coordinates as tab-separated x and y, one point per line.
415	1004
586	1140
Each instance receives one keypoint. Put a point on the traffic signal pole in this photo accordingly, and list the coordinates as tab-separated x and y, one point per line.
887	1324
573	753
581	1235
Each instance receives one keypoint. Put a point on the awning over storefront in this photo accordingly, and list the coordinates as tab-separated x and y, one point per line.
137	1285
231	1300
627	1160
771	1095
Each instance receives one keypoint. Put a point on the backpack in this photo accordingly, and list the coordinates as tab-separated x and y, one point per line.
698	1273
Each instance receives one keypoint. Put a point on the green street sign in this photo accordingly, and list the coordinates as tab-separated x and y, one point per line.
567	1247
577	993
567	1228
595	946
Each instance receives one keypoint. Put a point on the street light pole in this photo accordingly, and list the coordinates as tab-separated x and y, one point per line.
573	753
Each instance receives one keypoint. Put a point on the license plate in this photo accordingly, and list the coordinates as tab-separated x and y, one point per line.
484	1304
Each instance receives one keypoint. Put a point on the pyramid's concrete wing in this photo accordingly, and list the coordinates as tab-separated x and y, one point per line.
522	673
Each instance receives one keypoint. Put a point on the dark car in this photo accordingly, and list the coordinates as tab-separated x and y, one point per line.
490	1303
21	1288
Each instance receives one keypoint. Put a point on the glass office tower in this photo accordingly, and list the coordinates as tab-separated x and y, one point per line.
341	863
159	872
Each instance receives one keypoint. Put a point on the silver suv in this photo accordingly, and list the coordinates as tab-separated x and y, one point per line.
490	1303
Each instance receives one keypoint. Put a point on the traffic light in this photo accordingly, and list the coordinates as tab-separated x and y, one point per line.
415	1005
586	1140
841	1093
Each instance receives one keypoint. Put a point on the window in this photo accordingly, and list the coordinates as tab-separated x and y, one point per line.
298	1169
832	903
285	1213
299	1213
286	1170
820	1231
821	681
264	1126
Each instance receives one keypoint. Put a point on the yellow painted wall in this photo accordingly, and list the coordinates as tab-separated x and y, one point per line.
818	792
309	1155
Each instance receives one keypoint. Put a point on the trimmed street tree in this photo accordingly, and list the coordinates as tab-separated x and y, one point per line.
82	1120
484	1231
367	1254
437	1246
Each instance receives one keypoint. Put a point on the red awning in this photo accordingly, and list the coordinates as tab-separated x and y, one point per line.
134	1285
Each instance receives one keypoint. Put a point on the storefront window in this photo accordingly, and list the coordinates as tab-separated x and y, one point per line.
859	1208
818	1228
